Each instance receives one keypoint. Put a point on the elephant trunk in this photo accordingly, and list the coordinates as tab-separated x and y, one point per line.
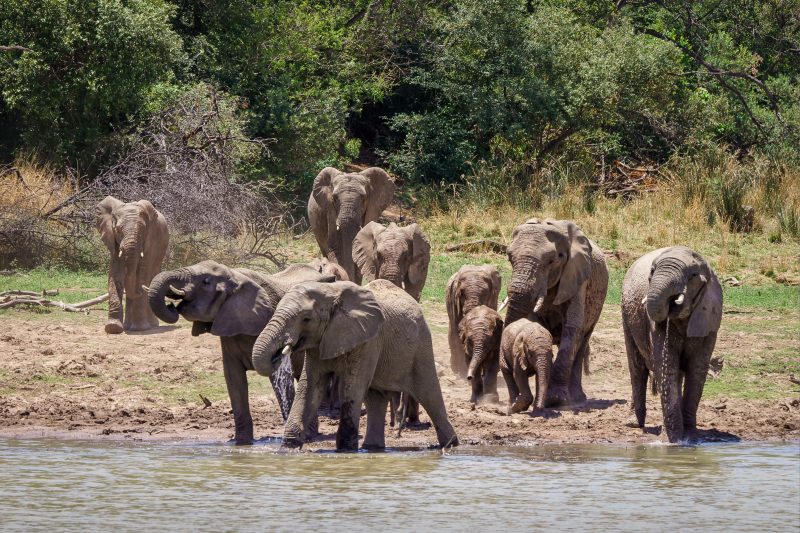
390	271
163	286
348	224
478	357
667	289
272	345
525	293
668	374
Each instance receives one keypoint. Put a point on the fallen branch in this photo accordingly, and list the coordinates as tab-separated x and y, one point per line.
72	308
482	245
44	292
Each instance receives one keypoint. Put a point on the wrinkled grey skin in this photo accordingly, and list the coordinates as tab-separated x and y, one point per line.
559	278
400	255
468	288
479	332
374	338
233	304
526	350
323	266
340	205
136	236
676	286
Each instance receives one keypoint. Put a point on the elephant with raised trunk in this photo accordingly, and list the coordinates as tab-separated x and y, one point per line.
400	255
671	312
136	236
526	350
374	338
235	305
468	288
340	205
479	332
559	279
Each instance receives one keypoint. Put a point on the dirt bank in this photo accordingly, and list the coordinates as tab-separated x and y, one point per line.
60	375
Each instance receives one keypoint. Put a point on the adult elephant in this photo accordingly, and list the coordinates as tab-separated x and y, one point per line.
559	278
340	205
136	236
235	305
468	288
671	312
374	338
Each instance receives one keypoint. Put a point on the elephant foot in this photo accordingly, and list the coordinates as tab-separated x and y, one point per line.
452	442
292	443
241	441
490	398
417	425
519	406
577	396
373	447
557	396
113	327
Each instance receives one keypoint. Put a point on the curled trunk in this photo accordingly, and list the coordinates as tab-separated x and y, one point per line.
160	289
665	284
269	347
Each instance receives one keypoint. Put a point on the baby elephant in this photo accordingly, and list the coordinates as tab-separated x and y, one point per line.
526	349
480	331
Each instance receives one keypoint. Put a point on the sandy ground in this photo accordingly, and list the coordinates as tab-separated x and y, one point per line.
60	375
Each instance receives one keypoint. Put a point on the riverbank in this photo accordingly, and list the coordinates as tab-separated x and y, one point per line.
61	376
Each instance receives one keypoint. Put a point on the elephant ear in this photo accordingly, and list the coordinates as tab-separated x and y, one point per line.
495	283
322	191
104	221
364	249
579	264
148	211
246	309
458	363
356	317
420	255
707	314
381	193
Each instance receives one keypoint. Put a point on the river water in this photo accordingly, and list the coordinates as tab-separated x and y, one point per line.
52	485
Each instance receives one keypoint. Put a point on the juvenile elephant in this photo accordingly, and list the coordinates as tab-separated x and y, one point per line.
479	332
340	205
136	237
526	349
323	266
400	255
374	338
671	312
470	287
560	278
235	305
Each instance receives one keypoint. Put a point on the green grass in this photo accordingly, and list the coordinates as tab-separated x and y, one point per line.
73	286
757	376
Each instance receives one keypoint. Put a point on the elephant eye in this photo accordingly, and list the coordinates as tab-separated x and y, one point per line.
307	319
562	255
206	281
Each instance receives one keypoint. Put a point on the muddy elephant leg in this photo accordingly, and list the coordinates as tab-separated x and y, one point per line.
115	291
353	392
525	398
477	388
639	373
511	385
308	394
375	439
236	380
412	410
429	393
558	393
697	353
490	380
576	393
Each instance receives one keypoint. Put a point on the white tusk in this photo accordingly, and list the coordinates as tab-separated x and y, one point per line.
337	227
179	292
403	285
141	254
644	300
679	299
120	253
145	288
503	305
287	349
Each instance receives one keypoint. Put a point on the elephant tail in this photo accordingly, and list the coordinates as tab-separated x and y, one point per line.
653	385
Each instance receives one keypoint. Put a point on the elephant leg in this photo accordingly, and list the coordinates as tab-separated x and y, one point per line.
697	353
412	410
639	374
477	388
375	439
576	393
490	370
236	380
429	394
525	398
558	393
394	407
302	415
115	291
349	415
511	385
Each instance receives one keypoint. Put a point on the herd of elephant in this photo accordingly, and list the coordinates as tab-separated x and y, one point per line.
367	344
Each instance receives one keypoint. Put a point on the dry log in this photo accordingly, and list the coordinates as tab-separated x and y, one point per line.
45	292
481	245
72	308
